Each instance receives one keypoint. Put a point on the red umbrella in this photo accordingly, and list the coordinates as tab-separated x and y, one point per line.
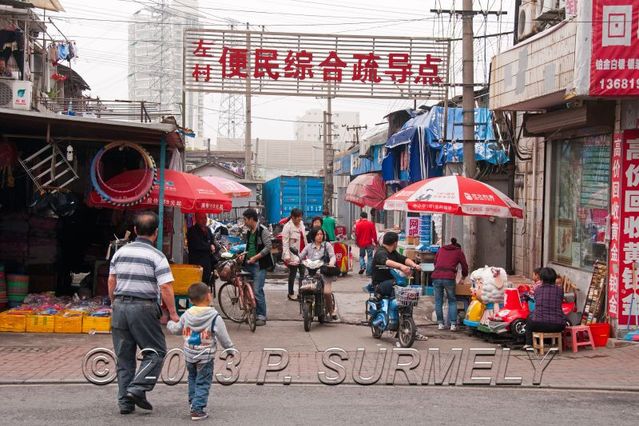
228	186
367	190
454	195
190	193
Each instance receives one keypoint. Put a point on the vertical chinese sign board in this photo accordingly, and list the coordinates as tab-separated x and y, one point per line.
624	225
614	67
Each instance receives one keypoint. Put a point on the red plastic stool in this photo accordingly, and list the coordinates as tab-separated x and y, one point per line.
573	334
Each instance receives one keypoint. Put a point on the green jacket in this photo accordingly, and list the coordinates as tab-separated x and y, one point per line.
328	226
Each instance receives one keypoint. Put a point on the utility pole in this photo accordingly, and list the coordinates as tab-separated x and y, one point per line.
248	155
357	129
328	153
468	106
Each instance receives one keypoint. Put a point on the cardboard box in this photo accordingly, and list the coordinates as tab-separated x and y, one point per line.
463	289
410	253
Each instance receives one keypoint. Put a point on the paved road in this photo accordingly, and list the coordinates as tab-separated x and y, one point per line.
313	405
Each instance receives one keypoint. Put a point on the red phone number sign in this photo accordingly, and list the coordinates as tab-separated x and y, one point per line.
614	68
305	64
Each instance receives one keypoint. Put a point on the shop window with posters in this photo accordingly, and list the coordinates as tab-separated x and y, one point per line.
580	200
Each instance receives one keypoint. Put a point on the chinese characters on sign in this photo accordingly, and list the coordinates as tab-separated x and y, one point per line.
412	225
614	68
624	225
304	64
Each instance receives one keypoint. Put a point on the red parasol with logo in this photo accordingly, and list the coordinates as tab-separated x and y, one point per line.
189	193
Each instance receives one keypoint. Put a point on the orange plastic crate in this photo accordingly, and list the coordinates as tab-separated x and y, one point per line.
69	322
183	276
13	323
96	324
40	323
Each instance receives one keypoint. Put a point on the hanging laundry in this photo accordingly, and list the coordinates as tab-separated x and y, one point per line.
52	52
63	52
72	50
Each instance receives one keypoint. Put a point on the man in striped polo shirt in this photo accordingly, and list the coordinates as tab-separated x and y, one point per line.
139	278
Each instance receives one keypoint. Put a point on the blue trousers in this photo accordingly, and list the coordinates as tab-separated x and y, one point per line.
200	379
366	260
259	278
448	286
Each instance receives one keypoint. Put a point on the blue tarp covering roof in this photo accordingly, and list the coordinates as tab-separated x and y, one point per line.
429	126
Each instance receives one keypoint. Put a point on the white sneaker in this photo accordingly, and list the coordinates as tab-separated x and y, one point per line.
441	327
453	327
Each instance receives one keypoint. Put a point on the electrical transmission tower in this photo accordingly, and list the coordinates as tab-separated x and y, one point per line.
231	123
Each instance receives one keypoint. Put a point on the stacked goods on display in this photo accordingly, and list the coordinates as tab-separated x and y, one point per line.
17	289
594	308
4	301
14	232
45	313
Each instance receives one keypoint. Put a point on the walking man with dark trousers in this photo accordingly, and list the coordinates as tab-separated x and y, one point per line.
139	278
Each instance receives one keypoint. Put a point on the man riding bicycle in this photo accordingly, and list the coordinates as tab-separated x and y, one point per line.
387	257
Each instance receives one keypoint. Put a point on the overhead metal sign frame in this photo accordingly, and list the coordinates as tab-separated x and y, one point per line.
304	64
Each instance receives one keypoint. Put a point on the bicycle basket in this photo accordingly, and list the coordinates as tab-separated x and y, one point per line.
309	285
407	296
226	270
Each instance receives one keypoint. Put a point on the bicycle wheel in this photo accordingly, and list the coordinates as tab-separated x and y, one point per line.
229	300
249	306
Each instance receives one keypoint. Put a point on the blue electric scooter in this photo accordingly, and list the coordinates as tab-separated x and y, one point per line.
394	314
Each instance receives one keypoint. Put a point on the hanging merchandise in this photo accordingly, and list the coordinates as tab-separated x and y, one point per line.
130	196
74	48
58	77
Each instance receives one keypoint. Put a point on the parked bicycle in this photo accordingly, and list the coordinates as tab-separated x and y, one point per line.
236	297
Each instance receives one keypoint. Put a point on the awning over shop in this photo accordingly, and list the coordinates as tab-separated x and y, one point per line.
39	125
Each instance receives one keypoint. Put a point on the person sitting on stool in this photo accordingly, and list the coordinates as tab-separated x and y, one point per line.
548	316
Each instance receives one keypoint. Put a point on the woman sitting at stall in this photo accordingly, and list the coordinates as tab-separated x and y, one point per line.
320	249
547	316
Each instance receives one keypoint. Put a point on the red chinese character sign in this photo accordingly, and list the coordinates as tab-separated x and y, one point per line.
614	67
305	64
624	226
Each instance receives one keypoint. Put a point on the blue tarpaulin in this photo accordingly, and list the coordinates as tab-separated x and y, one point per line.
429	128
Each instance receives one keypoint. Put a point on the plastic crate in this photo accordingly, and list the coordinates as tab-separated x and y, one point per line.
184	276
96	324
40	323
68	322
13	323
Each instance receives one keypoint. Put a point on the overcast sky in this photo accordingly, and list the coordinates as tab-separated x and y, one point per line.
100	31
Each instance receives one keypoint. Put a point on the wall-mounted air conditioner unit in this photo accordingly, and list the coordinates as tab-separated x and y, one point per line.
15	94
528	12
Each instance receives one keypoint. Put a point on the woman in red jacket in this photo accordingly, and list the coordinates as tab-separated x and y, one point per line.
446	261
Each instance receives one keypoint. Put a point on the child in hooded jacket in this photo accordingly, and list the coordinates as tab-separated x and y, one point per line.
202	328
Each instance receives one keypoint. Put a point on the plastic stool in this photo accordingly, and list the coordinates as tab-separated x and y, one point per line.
182	303
539	341
572	337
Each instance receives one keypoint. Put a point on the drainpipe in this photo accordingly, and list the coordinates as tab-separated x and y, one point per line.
533	234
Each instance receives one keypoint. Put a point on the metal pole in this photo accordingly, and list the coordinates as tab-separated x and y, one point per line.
328	154
468	104
159	242
257	152
248	163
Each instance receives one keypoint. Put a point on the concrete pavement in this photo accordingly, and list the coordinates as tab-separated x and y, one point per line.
56	358
322	405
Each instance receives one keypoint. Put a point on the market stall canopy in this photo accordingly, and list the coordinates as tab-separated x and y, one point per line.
429	128
228	186
456	195
72	128
367	190
189	193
